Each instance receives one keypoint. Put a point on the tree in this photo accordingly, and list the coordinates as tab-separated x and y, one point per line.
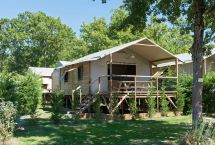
117	29
34	39
99	35
95	34
167	36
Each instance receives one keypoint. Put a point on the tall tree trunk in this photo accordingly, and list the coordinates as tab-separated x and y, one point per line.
197	56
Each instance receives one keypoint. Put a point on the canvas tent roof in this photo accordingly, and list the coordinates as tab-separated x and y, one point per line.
186	58
62	63
144	47
42	71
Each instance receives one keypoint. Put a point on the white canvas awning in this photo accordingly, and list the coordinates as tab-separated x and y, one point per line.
144	47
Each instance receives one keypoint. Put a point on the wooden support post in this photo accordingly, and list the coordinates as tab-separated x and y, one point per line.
99	83
176	64
89	79
205	66
135	90
80	96
73	100
157	94
111	73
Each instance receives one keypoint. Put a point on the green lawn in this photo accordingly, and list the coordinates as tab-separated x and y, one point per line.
134	132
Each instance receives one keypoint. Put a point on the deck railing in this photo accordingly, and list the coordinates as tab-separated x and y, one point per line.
139	84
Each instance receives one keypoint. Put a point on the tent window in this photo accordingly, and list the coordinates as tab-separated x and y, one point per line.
80	73
66	77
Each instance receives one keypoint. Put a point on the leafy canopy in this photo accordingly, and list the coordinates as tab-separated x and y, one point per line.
35	39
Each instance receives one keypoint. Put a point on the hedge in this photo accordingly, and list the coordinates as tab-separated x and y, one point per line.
23	90
208	96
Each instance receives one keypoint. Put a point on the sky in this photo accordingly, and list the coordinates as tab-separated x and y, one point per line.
71	12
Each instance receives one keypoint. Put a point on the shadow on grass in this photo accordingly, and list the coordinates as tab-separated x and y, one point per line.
134	132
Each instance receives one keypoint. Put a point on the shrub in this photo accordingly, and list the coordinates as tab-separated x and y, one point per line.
8	114
185	82
164	102
203	133
132	104
24	90
76	101
8	87
209	93
113	102
56	106
29	93
97	104
180	100
151	102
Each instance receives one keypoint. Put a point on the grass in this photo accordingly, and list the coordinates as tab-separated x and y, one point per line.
135	132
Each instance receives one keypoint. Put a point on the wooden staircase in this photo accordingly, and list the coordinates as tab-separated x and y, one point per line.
85	103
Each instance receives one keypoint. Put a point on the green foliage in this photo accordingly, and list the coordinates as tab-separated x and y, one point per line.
23	90
76	101
185	82
8	114
170	84
29	93
171	12
185	90
95	35
97	104
209	93
56	106
99	35
180	100
170	38
164	102
113	102
151	102
42	39
8	87
132	104
203	133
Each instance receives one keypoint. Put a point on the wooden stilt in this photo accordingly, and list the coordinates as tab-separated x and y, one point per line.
72	102
99	83
205	66
176	64
111	73
135	90
80	95
157	93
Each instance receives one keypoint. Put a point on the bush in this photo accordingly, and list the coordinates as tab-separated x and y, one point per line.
185	82
113	102
180	100
76	101
29	93
97	104
151	102
132	104
8	87
209	93
164	102
8	114
23	90
203	133
56	106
